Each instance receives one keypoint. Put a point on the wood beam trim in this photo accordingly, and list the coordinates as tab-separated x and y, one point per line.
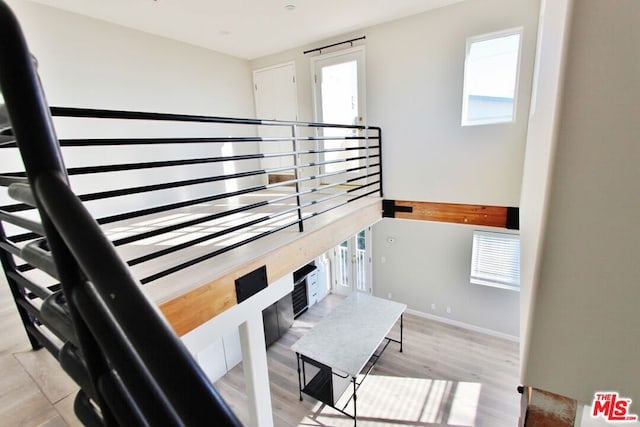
192	309
490	216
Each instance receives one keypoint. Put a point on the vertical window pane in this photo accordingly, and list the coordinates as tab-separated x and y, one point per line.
495	259
491	75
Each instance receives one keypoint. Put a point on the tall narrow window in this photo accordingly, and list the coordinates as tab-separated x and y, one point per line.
491	78
495	260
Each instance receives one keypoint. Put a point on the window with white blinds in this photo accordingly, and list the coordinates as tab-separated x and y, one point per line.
495	260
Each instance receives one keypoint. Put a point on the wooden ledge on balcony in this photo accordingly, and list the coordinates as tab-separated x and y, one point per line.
196	294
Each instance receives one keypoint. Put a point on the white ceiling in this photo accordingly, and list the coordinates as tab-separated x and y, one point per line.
247	28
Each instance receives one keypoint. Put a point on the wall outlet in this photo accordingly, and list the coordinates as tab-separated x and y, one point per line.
433	307
389	295
448	309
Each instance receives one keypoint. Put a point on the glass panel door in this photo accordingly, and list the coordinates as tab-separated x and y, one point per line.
339	97
351	263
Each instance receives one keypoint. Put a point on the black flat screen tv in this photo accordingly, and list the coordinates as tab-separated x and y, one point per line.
251	283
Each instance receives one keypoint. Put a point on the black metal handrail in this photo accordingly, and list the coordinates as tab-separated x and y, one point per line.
313	168
117	334
88	298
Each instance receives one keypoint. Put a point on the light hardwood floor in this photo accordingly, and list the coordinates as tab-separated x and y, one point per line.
34	391
446	376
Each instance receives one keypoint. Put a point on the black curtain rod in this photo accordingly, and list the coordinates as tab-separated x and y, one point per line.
319	49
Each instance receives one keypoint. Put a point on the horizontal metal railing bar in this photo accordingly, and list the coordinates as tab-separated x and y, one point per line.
175	248
215	235
25	223
24	267
41	291
11	178
202	239
52	288
16	207
175	184
334	195
344	203
186	162
51	347
215	253
167	163
141	115
94	142
220	251
9	143
219	215
32	309
187	203
10	247
164	208
174	227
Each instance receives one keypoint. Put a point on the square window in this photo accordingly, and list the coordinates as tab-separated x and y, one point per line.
491	78
495	260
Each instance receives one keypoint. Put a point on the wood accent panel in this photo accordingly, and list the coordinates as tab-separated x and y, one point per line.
280	177
192	309
545	409
491	216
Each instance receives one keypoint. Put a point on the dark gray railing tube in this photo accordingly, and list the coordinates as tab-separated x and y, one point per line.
296	173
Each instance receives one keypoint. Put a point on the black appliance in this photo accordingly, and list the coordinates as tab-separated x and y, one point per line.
299	294
277	319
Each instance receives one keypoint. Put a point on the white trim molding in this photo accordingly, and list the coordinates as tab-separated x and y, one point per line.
463	325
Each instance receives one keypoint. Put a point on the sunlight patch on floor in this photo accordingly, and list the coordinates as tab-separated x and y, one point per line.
385	400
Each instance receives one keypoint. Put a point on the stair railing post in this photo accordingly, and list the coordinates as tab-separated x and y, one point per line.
296	173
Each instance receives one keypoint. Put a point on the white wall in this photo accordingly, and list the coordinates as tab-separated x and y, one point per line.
585	323
429	263
84	62
542	135
414	77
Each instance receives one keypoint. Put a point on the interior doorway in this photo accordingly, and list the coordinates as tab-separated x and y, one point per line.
339	97
351	265
276	98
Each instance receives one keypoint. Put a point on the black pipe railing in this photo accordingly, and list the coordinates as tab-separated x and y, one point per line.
234	180
317	167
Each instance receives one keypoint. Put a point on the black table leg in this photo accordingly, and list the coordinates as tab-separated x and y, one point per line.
299	378
401	327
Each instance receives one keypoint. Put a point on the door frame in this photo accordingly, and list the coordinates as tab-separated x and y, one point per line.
359	53
353	265
273	67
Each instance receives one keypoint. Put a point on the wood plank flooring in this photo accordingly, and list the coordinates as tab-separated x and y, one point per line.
446	376
34	390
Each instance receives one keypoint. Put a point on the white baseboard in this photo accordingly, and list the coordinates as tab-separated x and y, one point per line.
463	325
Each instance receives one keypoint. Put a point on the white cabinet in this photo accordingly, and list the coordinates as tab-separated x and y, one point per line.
232	349
221	356
313	287
212	361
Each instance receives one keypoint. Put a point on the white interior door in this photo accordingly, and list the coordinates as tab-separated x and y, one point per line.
276	98
339	97
351	264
